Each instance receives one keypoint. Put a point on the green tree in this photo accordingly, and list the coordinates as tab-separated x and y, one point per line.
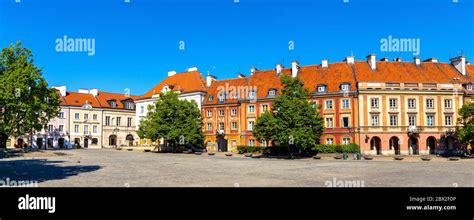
293	122
178	122
465	132
26	103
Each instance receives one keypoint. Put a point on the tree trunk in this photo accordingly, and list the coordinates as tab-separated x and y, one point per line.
3	140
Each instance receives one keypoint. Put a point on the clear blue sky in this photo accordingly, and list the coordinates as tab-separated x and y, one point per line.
137	43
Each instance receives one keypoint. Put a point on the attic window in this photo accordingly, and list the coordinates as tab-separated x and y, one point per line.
322	88
252	94
113	104
469	86
211	97
165	89
222	97
345	87
272	92
129	105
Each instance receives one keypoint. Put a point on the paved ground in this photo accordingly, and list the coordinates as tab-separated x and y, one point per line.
112	168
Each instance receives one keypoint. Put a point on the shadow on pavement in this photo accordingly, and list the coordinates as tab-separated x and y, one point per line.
40	170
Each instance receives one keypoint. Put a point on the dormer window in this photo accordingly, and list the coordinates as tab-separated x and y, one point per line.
165	89
252	94
210	98
469	86
221	97
113	104
322	88
345	87
272	92
128	105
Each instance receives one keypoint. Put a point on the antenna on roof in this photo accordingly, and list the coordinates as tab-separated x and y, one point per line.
460	52
352	53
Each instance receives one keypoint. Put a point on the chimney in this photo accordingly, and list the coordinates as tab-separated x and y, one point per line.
171	73
432	60
398	59
349	60
253	70
294	68
279	69
417	61
61	89
240	75
209	79
372	61
191	69
324	63
459	63
83	91
385	59
94	92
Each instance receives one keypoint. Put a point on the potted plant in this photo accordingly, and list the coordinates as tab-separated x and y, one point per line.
211	153
229	154
248	154
425	158
197	153
454	158
317	157
368	157
338	157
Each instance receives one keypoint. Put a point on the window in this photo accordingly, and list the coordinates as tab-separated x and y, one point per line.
95	141
430	120
251	109
50	128
345	104
251	142
393	120
469	86
76	116
221	126
209	126
221	97
142	109
265	108
251	123
129	122
328	104
374	102
271	92
76	128
447	103
329	123
221	112
412	120
94	117
118	121
430	103
94	129
61	115
345	87
112	104
252	94
86	129
345	122
393	103
411	103
233	112
375	120
346	140
234	125
329	141
448	120
129	105
210	98
61	128
321	88
107	120
209	113
86	116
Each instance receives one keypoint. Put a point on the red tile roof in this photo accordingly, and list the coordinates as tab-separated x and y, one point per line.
100	101
185	82
228	85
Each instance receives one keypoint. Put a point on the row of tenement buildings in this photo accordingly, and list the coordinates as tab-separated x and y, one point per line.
387	107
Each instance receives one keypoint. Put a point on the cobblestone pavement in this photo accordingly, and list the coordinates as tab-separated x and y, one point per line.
112	168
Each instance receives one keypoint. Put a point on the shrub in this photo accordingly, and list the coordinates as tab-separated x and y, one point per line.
249	149
333	148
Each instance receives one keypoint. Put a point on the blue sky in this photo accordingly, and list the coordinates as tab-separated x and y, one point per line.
137	43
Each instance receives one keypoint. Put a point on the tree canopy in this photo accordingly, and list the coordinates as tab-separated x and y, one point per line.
178	122
26	103
465	132
293	121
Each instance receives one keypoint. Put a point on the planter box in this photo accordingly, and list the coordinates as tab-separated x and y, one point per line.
398	158
317	157
367	157
211	153
198	153
454	158
228	154
425	158
248	155
338	157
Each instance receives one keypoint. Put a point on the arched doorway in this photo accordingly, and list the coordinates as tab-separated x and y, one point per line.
431	144
394	144
221	144
413	145
375	145
113	140
129	139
